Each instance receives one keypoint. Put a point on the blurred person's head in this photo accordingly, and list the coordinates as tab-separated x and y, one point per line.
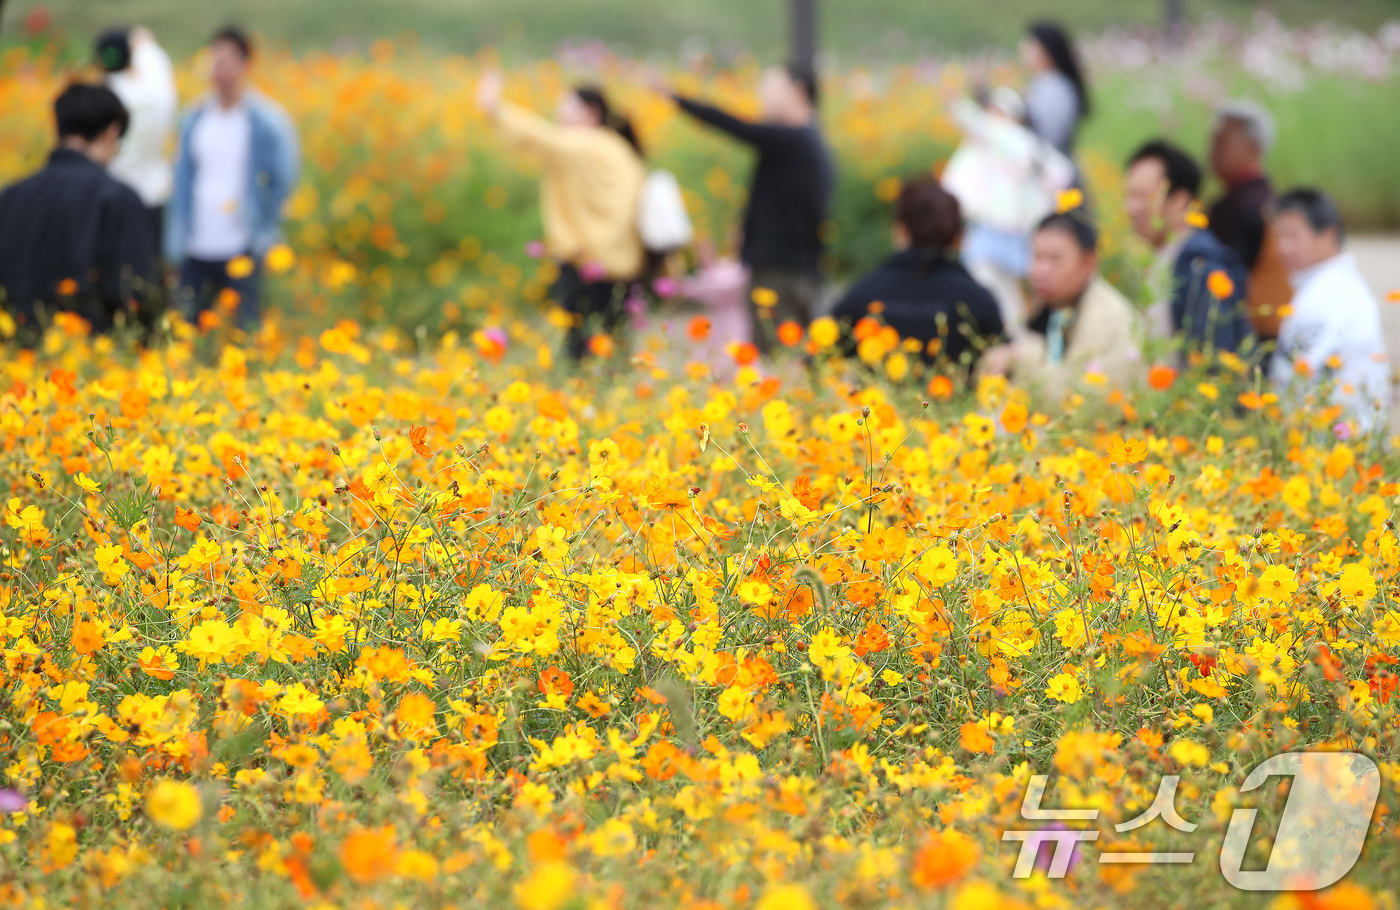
588	106
927	217
1007	102
230	53
1064	258
1159	190
91	120
1242	134
788	94
1308	228
113	50
1047	48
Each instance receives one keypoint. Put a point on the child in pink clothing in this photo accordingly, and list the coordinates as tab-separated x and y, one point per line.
721	287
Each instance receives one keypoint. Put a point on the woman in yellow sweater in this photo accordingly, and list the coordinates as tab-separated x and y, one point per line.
589	193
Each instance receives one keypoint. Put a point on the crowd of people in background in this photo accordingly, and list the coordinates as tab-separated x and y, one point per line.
95	231
995	268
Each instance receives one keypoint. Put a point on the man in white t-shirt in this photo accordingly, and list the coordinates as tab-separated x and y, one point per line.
236	168
141	75
1331	332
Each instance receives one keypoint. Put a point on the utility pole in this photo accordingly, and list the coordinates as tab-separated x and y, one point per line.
802	35
1175	21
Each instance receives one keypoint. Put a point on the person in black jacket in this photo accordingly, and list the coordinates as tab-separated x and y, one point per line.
73	238
921	291
788	197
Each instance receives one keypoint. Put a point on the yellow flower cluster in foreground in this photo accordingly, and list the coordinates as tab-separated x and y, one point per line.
314	622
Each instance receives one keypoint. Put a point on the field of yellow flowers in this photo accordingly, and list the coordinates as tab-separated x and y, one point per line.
319	622
397	612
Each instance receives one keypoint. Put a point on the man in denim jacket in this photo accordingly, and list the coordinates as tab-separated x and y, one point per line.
1203	282
237	165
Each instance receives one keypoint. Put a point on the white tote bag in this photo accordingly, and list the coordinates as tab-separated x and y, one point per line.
661	216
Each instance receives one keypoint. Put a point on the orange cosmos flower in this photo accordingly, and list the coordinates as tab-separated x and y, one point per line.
419	436
555	681
973	737
699	329
595	706
1014	416
87	637
872	640
1219	284
1161	378
944	858
790	333
744	353
940	388
369	854
866	328
601	346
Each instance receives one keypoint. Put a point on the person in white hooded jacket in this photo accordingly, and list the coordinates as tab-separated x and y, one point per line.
1331	333
140	73
1006	180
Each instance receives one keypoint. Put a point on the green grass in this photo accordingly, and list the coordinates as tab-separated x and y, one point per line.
860	31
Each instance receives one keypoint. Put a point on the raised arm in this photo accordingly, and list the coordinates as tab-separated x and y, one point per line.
528	130
523	128
762	135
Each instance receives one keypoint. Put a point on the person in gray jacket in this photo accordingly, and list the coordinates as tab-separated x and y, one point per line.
1057	100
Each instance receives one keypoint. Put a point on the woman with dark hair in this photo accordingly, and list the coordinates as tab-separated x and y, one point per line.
921	291
1058	97
593	173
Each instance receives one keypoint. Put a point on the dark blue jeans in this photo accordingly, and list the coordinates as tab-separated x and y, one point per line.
597	306
202	280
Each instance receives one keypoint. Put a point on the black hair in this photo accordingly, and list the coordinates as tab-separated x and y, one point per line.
594	98
1183	173
1316	207
929	213
235	36
805	78
1060	50
1076	224
113	50
88	111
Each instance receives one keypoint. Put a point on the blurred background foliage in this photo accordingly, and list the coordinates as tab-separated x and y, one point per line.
411	212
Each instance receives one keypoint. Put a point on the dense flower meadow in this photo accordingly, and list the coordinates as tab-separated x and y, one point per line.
382	607
317	622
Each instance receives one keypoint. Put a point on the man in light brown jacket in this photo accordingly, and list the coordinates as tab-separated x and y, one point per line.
1085	335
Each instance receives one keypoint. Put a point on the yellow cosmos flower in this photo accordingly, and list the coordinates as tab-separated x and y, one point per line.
174	804
1065	687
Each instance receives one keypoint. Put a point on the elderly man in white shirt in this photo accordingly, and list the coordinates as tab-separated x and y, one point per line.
140	73
1332	331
